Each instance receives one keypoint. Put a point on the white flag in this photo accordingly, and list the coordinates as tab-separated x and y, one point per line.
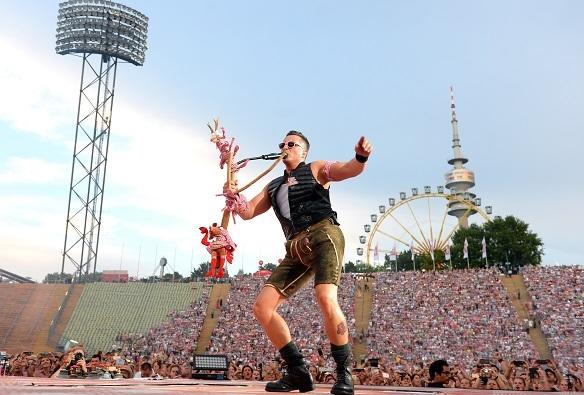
465	249
484	248
412	250
447	252
393	254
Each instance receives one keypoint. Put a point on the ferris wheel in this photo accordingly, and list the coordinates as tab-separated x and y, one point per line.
422	222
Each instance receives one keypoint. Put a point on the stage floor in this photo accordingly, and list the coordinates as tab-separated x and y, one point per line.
36	386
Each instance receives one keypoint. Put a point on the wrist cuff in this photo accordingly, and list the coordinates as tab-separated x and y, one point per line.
361	158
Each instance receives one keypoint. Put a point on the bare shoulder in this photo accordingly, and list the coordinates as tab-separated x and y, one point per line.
317	168
317	165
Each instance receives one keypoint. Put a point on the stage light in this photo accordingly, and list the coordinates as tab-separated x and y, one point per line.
210	362
102	27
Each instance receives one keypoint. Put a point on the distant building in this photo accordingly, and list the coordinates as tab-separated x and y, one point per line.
114	276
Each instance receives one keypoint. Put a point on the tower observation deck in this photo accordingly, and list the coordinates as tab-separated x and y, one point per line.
459	179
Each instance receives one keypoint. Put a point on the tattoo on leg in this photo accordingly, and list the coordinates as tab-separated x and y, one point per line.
341	329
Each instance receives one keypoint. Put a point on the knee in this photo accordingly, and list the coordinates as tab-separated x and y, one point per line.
328	303
261	311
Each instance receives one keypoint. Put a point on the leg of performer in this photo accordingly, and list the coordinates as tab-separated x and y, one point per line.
297	376
338	334
212	264
221	265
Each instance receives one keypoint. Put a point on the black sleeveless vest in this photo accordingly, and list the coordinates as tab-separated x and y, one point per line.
309	201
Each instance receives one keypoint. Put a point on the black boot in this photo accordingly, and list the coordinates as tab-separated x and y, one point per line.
344	383
297	376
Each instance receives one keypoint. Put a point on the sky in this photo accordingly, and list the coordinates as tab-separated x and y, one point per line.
335	70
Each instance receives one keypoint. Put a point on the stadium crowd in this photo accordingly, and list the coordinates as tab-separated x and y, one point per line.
557	303
465	316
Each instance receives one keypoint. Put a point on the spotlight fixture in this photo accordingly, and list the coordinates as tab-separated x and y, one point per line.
104	27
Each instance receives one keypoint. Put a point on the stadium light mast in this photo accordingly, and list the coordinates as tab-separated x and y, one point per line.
101	33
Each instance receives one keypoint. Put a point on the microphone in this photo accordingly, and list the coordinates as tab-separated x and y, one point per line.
270	156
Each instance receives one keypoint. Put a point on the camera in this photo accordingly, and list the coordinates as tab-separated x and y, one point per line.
484	374
533	373
78	356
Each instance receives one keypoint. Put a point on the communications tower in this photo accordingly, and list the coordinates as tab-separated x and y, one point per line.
101	33
460	179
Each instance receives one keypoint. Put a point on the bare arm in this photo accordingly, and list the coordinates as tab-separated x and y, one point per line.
258	205
338	171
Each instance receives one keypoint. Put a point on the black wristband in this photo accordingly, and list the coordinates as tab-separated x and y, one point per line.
361	158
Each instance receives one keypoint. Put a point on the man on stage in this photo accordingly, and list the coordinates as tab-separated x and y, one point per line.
314	247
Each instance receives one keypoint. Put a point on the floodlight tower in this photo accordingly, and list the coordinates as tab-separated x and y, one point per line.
101	33
460	179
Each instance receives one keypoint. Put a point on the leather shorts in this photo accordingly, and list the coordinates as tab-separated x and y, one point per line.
316	251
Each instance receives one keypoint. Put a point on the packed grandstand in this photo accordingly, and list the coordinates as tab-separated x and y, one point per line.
522	332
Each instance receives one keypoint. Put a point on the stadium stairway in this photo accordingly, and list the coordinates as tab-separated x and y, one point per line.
62	319
364	291
218	293
27	312
519	296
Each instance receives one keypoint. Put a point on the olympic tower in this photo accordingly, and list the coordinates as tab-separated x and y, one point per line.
460	179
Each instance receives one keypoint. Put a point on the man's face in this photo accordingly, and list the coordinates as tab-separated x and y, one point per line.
146	371
444	376
295	149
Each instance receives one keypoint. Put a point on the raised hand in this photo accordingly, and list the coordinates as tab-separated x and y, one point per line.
363	147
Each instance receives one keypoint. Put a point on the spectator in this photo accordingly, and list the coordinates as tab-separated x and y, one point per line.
439	373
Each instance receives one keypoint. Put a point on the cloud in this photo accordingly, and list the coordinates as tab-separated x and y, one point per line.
35	98
19	170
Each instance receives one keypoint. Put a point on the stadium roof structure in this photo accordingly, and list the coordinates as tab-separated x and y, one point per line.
15	277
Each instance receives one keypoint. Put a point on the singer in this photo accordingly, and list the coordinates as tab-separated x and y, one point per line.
314	247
